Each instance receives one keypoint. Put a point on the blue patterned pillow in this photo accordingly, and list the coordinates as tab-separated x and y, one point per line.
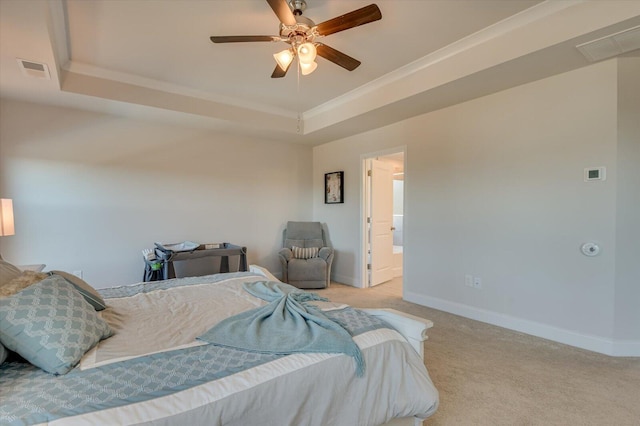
50	324
89	293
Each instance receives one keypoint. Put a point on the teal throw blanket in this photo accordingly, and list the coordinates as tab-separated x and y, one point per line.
288	324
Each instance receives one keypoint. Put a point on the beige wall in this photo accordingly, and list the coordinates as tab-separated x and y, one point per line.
494	188
627	318
91	190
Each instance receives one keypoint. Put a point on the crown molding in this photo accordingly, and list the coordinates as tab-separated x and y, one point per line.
514	37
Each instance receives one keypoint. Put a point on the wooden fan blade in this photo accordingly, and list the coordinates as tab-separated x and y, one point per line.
279	72
337	57
241	39
282	11
352	19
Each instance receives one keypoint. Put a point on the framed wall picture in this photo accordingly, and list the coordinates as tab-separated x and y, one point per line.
334	188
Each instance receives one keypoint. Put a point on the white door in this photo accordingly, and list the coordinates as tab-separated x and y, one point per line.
381	229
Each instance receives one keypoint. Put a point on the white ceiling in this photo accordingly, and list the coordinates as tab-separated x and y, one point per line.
153	58
169	41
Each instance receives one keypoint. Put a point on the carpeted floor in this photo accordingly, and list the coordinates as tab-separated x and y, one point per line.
487	375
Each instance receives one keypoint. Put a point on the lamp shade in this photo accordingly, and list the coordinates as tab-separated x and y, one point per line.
307	53
307	69
284	58
6	217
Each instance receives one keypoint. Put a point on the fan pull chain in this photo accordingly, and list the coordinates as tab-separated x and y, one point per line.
299	121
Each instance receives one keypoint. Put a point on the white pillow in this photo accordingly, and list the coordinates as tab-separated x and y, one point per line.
7	272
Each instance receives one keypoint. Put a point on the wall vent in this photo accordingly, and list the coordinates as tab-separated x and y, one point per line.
611	45
34	69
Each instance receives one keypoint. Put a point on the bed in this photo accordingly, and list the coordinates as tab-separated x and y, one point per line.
153	368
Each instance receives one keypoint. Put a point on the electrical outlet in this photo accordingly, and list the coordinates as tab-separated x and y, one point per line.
78	273
468	280
477	282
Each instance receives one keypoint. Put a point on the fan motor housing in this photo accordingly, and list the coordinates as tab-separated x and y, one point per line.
297	30
297	6
303	28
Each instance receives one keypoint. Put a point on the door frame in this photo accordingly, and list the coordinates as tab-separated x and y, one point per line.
364	200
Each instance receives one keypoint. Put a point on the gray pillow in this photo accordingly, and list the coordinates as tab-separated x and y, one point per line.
51	325
7	272
89	293
3	353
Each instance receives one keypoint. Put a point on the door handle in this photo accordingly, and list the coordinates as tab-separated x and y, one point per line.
393	228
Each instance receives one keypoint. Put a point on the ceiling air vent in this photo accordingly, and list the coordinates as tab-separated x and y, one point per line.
611	45
34	69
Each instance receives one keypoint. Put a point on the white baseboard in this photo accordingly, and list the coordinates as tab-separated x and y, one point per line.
626	348
568	337
344	279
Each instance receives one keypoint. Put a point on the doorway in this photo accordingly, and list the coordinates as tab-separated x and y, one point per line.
383	217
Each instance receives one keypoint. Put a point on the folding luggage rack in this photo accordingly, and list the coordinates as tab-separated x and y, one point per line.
202	260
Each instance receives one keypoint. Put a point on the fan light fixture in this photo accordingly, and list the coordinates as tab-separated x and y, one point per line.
302	35
307	69
284	58
307	53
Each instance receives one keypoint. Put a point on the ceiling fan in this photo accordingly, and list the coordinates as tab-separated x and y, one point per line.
303	35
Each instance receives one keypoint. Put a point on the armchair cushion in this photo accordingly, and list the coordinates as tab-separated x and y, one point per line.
325	252
286	254
304	253
311	242
304	270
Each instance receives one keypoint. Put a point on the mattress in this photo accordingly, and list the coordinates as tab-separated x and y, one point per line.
154	370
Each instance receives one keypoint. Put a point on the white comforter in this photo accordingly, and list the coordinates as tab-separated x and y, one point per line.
300	389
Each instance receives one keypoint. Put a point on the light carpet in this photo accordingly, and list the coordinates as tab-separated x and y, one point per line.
487	375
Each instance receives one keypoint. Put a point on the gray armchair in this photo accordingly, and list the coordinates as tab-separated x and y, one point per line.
305	273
